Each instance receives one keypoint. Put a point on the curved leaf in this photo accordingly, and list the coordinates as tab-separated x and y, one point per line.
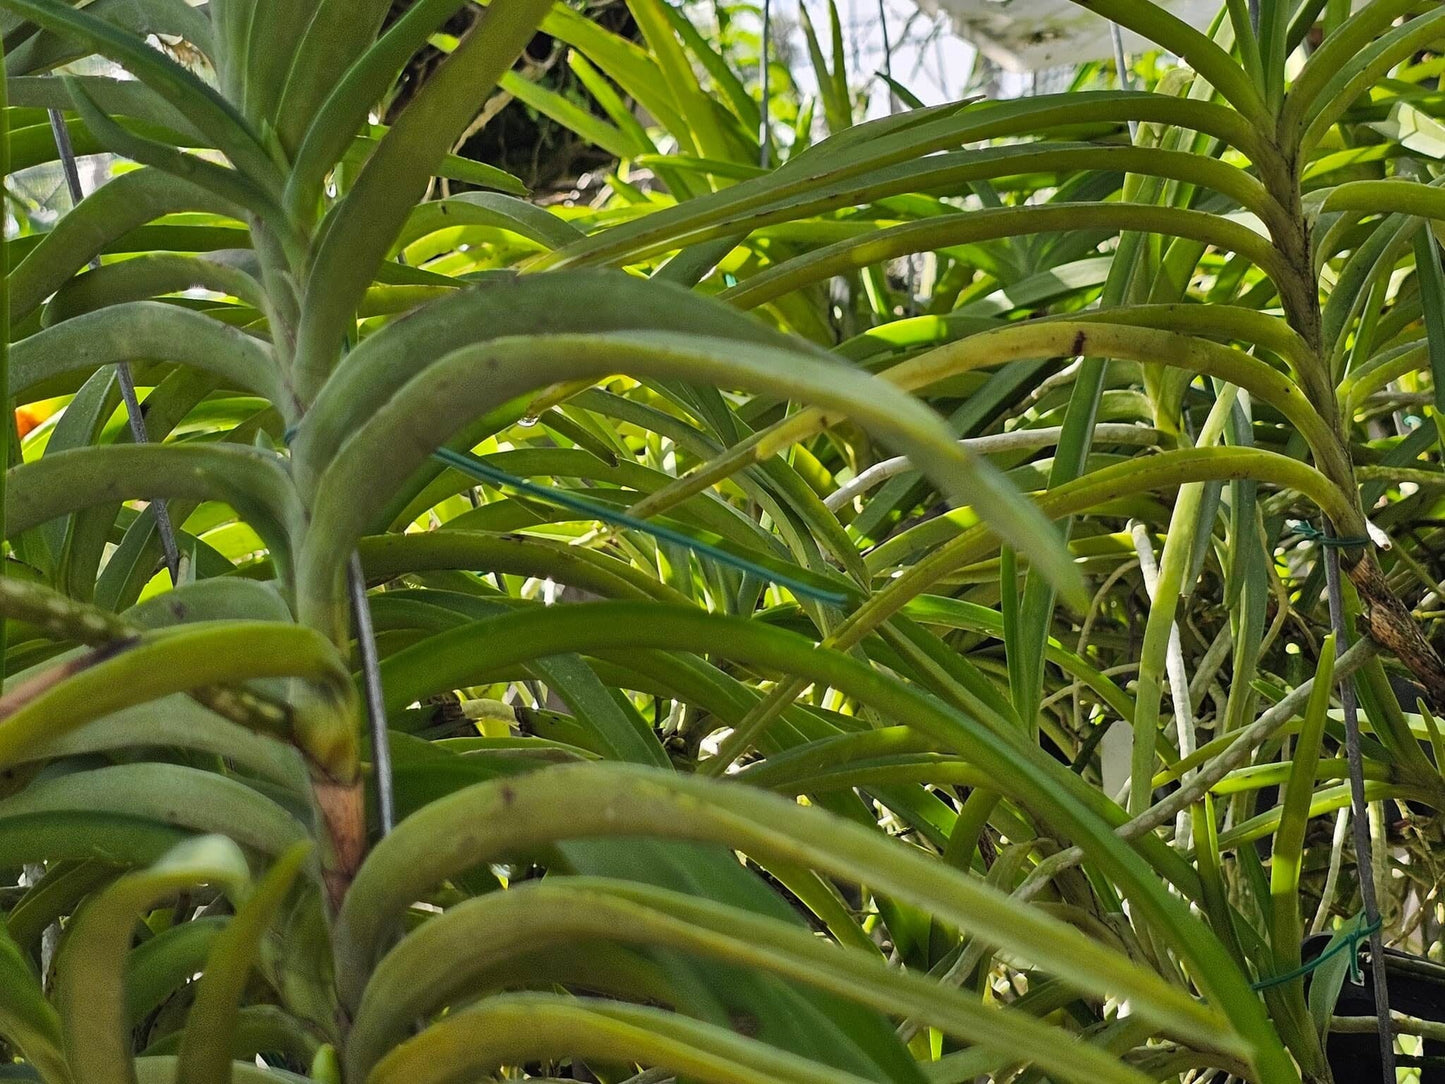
390	446
628	801
150	331
205	1052
89	976
164	794
408	985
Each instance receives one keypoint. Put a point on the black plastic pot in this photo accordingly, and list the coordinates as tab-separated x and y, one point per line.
1417	988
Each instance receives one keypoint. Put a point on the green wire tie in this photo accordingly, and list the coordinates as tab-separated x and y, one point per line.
483	471
1314	534
1351	942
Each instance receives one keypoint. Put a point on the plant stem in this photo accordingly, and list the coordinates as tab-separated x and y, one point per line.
1402	1023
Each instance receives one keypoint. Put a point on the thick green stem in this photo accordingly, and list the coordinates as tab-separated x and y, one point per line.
1387	620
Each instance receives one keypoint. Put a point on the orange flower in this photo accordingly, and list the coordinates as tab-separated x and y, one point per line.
31	415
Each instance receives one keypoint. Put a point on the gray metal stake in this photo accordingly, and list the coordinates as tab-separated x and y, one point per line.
138	432
1360	815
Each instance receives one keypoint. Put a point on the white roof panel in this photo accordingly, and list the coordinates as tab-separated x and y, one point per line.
1033	35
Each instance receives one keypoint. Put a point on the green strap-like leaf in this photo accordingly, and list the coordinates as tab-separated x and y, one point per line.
567	113
110	212
344	111
229	184
387	556
26	1019
90	985
367	222
489	209
26	839
163	794
627	801
970	227
529	1027
156	968
147	331
420	976
250	480
186	92
1286	926
156	664
885	143
588	301
391	445
49	50
153	274
128	98
176	722
205	1054
304	70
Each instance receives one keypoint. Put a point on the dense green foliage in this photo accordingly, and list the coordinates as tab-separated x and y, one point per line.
747	721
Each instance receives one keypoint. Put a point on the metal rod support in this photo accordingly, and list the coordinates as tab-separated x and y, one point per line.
1121	68
134	415
1360	816
765	88
887	55
371	688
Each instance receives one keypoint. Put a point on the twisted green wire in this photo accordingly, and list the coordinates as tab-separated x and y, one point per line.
1350	941
483	471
